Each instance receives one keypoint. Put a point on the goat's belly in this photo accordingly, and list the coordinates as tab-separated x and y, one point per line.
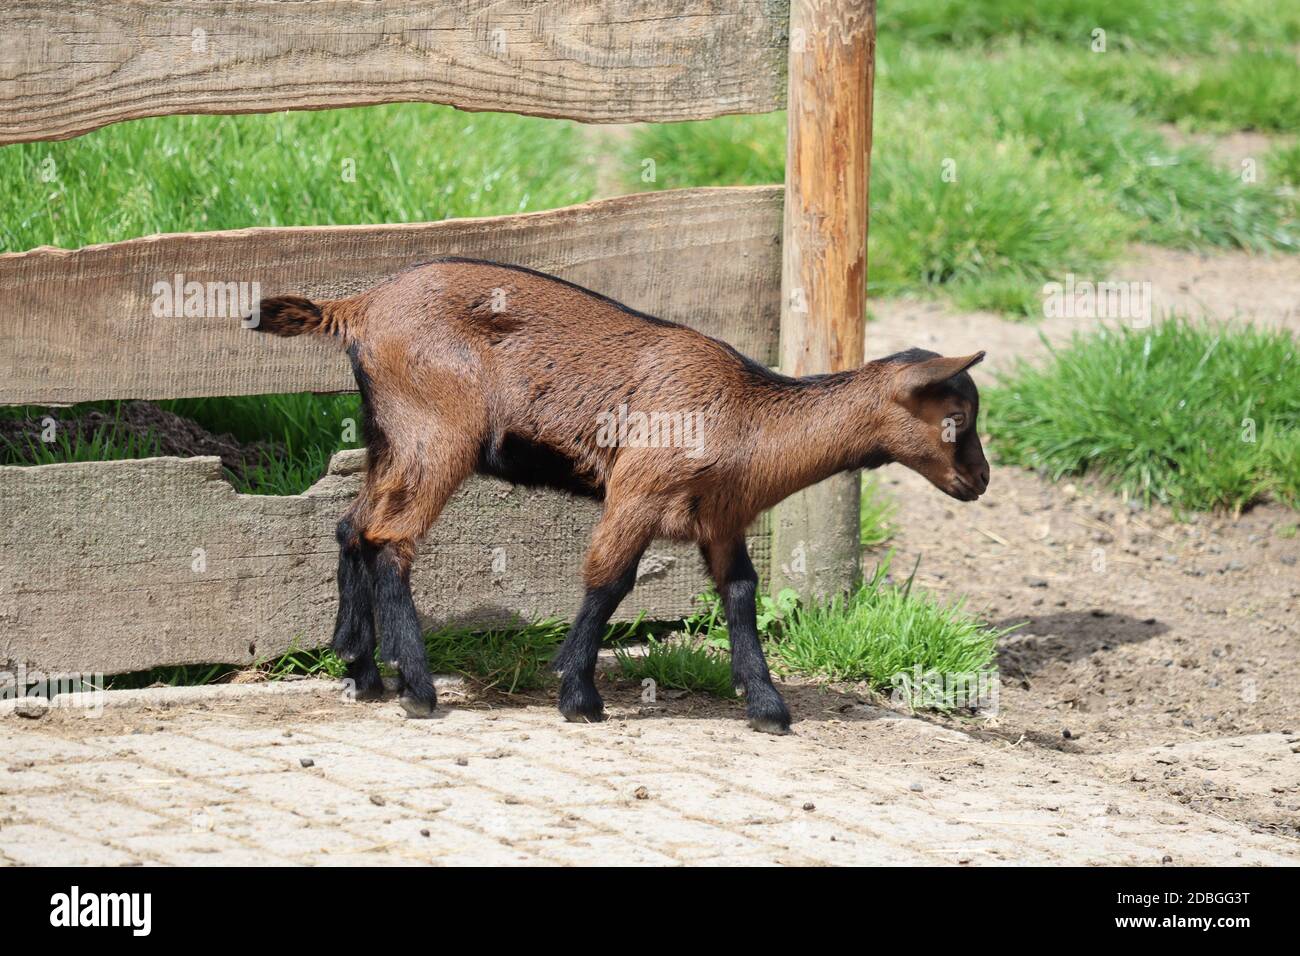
522	461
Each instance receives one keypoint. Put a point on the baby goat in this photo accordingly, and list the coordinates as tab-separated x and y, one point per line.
469	366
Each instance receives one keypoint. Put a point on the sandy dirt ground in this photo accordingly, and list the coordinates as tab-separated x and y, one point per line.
314	780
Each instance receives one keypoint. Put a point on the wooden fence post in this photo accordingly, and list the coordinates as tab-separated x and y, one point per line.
815	546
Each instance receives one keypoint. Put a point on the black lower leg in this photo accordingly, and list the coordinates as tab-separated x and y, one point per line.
401	642
576	658
354	628
739	586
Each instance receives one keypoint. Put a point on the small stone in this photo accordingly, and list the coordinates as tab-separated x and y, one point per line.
641	793
424	833
307	762
377	800
462	762
1036	582
1065	732
810	807
1166	859
916	788
33	708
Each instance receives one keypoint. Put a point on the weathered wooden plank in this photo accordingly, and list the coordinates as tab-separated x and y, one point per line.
79	325
119	566
70	66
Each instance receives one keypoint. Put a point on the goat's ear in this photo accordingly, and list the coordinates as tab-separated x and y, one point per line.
934	371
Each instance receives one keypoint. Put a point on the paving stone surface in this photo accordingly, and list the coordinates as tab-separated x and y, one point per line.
326	783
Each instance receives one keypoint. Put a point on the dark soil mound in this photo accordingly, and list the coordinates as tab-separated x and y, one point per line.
169	433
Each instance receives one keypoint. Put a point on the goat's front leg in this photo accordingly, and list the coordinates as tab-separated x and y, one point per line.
737	584
354	628
609	573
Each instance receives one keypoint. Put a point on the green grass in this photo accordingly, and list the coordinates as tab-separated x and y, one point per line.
108	442
310	427
412	162
679	663
189	675
1195	417
1189	25
1251	89
1283	163
992	176
509	659
883	630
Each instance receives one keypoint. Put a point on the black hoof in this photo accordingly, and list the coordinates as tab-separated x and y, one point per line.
417	708
580	702
767	711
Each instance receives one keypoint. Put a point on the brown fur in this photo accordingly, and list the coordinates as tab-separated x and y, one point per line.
468	365
449	375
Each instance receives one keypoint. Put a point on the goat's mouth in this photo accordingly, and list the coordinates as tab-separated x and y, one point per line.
961	489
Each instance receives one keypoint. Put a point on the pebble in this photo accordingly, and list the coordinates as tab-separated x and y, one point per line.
307	762
33	708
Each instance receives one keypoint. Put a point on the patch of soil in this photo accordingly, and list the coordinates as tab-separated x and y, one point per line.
1232	150
1140	632
175	436
1136	630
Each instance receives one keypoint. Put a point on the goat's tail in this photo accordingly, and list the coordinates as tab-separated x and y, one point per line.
294	315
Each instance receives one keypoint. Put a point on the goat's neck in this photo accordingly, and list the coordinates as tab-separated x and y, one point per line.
809	430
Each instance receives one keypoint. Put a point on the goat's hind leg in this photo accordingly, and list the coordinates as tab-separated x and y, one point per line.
354	628
401	639
610	572
400	501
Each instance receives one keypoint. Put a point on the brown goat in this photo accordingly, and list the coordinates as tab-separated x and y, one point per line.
468	366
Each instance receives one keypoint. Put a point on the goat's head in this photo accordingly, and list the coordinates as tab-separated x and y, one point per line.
930	424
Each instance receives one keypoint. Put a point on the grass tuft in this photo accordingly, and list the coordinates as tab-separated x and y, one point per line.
881	631
680	663
1249	89
1193	416
509	659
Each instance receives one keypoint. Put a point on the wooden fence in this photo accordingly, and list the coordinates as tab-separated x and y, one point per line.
118	566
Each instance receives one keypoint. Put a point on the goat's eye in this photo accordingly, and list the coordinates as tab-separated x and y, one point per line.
958	419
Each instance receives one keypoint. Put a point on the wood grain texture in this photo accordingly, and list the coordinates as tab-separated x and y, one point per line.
824	263
70	66
79	325
98	565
